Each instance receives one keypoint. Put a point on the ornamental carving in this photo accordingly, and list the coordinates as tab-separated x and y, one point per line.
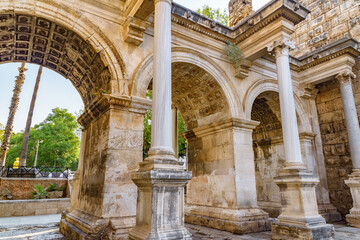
345	76
40	41
282	46
196	94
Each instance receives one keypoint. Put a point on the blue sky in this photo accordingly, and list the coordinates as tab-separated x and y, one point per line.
56	91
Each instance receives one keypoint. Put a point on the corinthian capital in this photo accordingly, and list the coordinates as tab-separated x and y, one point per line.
283	43
345	76
166	1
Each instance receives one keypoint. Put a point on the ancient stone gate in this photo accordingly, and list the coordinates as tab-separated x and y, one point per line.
255	133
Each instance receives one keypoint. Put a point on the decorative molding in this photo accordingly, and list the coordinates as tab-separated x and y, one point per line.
288	9
213	128
282	43
107	101
309	91
134	29
346	77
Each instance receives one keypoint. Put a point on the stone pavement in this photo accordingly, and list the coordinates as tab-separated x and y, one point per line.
45	227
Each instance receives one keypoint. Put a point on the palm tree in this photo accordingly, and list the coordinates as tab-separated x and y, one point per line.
29	119
12	110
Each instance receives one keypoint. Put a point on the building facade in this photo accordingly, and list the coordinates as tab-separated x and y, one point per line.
276	135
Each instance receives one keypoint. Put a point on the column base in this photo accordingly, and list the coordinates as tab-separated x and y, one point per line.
81	226
291	232
160	209
353	219
329	212
300	218
238	221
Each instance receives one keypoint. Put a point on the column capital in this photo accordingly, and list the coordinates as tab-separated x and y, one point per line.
281	46
345	76
167	1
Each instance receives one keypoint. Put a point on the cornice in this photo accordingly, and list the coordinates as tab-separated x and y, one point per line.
213	128
334	50
288	9
107	101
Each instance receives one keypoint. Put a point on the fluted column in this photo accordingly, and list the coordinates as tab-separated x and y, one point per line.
345	79
300	216
161	178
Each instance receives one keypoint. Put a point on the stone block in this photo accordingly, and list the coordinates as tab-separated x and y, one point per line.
294	232
41	211
332	13
314	23
52	211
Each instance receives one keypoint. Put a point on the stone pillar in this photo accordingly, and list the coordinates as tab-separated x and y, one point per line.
105	205
315	155
300	216
352	126
310	157
75	182
161	178
222	193
175	137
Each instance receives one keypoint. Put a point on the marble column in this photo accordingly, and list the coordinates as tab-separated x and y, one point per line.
175	137
300	218
161	178
352	126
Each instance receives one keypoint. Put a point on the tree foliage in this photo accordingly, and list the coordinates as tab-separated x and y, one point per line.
215	14
60	144
2	130
147	131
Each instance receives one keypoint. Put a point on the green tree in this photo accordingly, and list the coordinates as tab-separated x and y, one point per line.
2	130
60	145
147	128
215	14
181	140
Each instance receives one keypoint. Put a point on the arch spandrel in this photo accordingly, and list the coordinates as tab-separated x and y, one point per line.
271	85
187	57
197	95
68	44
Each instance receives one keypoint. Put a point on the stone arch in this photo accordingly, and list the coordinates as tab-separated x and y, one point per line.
144	73
262	104
54	35
271	85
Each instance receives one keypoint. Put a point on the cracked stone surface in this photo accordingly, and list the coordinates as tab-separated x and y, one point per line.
45	227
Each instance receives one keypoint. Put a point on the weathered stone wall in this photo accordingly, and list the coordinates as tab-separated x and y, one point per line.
210	158
335	141
328	21
22	188
113	149
15	208
269	159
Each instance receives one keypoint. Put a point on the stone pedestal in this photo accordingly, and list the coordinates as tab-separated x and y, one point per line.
160	203
300	217
104	206
238	221
353	219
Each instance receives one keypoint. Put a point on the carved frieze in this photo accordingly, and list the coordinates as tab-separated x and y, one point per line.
196	93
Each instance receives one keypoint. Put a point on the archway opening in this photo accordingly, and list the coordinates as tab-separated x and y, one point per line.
268	150
54	134
41	41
